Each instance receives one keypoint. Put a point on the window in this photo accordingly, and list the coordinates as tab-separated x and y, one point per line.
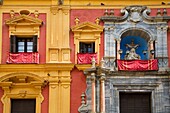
21	44
25	44
87	47
23	105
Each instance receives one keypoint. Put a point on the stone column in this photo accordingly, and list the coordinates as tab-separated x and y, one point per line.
93	97
102	93
118	48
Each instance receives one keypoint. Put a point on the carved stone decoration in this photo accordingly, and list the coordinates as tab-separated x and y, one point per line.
60	2
30	24
20	86
97	21
77	20
84	107
24	12
12	13
36	13
136	21
135	14
22	93
54	10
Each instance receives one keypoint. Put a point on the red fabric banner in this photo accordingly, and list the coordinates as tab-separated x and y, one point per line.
23	57
137	65
86	58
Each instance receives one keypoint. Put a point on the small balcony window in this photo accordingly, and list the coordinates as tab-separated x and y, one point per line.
23	50
22	44
87	47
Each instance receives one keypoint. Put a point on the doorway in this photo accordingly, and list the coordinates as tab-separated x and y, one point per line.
135	102
23	105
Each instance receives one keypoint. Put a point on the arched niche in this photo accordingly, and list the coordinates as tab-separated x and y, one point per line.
21	86
141	38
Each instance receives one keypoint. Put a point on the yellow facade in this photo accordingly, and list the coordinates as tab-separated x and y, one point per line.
55	73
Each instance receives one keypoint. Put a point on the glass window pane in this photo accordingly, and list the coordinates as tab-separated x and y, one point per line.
20	46
29	46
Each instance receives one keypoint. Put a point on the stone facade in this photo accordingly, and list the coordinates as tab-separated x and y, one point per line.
134	22
157	85
137	22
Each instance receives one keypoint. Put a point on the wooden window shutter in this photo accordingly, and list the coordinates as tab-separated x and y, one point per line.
35	43
81	47
13	42
93	47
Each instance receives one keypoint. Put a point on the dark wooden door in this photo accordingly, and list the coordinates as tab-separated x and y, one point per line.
23	105
135	102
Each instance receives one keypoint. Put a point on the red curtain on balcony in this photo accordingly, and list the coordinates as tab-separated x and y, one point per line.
137	65
23	57
86	58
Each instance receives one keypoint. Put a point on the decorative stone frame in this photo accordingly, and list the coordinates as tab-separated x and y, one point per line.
24	24
87	32
21	86
133	18
123	88
156	85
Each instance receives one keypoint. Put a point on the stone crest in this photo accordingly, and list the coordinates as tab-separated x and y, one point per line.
135	13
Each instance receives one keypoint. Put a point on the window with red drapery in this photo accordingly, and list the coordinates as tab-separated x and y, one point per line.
86	52
23	50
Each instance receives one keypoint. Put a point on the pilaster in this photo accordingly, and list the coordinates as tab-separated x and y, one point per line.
59	92
58	43
54	95
161	46
106	40
159	42
65	91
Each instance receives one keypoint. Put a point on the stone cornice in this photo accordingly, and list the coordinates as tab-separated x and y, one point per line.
136	13
91	27
35	67
15	20
83	67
